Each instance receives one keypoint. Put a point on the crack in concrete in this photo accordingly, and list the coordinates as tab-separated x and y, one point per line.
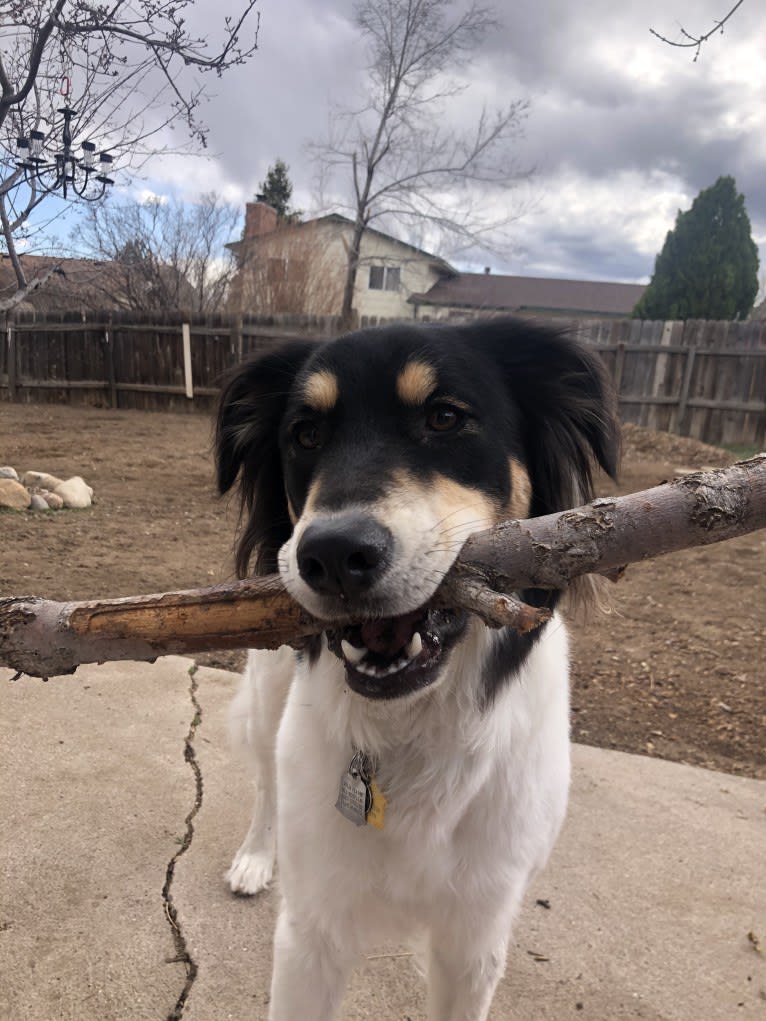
182	951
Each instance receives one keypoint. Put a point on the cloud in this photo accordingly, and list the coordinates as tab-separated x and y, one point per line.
623	130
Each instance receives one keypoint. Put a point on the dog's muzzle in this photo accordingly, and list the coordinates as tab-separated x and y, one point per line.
344	559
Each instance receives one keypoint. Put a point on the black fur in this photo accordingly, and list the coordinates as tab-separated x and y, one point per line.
569	418
568	409
252	404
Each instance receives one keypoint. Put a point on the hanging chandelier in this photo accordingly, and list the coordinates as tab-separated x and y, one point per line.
65	172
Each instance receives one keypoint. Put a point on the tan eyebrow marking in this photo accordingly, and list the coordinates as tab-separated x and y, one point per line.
416	382
520	503
321	390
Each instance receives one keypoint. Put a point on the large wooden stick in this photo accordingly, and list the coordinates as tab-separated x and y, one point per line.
45	638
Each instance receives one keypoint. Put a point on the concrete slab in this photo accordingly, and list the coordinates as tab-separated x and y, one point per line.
652	890
94	791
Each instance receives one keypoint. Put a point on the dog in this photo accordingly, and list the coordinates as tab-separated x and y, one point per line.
412	764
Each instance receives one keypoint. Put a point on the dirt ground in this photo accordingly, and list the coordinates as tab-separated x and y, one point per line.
676	670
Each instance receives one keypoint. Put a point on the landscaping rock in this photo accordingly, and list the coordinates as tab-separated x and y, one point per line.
13	495
75	492
9	473
39	503
40	480
53	500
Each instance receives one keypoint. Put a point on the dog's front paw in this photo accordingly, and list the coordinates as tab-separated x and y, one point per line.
250	872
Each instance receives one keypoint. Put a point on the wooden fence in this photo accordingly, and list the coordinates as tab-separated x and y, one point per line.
132	361
699	378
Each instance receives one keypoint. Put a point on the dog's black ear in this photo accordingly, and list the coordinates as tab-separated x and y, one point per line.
569	409
252	402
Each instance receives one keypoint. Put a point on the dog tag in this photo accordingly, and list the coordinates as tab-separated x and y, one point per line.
377	810
354	797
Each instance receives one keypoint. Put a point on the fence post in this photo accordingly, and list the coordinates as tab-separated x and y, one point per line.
236	340
11	362
111	377
619	367
186	336
685	386
661	361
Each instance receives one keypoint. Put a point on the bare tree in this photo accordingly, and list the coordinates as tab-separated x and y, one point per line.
128	69
398	154
163	254
688	40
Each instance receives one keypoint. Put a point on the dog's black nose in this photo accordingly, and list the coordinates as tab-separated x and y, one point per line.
344	556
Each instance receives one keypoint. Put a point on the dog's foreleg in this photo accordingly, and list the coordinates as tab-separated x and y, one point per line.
253	864
310	973
462	977
255	717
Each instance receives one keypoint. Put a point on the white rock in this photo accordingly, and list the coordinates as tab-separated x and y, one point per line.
13	495
39	503
40	480
9	473
75	492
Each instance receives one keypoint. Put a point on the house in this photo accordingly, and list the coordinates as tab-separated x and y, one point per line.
489	293
300	268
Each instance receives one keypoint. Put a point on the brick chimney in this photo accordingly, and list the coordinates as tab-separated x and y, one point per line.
260	218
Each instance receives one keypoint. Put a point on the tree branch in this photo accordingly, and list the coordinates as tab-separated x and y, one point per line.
23	291
696	41
113	54
45	638
43	34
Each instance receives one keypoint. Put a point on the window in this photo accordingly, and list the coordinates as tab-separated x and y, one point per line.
276	270
392	278
384	278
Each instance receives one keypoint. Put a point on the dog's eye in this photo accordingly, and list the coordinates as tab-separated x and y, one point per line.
307	435
444	418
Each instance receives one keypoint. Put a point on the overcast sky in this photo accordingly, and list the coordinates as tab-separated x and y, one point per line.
622	130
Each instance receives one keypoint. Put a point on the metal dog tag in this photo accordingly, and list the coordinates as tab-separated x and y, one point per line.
354	796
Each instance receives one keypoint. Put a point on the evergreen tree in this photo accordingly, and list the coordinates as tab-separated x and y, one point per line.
708	266
277	190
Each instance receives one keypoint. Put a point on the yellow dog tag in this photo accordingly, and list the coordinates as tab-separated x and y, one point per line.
376	814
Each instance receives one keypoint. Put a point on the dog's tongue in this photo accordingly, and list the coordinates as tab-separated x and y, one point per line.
389	635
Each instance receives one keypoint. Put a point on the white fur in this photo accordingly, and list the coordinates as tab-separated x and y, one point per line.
476	797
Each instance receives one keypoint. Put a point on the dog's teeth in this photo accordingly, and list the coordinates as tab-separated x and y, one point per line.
415	647
380	671
351	653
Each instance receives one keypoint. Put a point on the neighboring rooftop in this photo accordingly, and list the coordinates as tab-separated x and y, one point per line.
77	283
541	295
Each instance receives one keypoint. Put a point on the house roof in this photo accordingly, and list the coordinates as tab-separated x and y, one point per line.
437	260
80	281
494	292
441	265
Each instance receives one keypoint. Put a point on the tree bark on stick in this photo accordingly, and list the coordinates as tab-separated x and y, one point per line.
45	638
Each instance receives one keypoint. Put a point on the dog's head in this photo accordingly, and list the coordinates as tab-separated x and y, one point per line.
364	463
